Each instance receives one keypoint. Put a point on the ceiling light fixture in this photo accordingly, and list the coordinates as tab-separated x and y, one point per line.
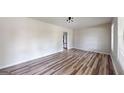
70	19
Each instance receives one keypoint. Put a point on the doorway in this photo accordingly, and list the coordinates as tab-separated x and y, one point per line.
65	41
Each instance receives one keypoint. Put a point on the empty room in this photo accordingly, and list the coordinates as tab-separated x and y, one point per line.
61	46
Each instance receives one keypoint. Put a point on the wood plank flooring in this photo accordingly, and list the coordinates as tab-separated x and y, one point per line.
69	62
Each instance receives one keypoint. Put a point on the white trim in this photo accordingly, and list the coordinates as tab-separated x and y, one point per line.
101	52
95	51
6	66
116	72
2	67
113	62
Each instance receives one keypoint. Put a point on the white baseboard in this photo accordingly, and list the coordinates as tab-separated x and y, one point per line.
61	51
6	66
95	51
113	62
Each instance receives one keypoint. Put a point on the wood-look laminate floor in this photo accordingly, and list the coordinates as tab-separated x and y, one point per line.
70	62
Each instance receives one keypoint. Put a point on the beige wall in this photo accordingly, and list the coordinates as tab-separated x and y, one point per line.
24	39
97	38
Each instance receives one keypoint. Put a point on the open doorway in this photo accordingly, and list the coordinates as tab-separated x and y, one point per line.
65	41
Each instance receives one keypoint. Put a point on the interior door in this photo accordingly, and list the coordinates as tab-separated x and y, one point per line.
65	42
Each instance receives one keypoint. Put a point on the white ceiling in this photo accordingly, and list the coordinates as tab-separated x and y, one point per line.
79	22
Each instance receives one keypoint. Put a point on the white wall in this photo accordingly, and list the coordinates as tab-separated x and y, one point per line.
24	39
121	42
114	44
97	38
118	44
